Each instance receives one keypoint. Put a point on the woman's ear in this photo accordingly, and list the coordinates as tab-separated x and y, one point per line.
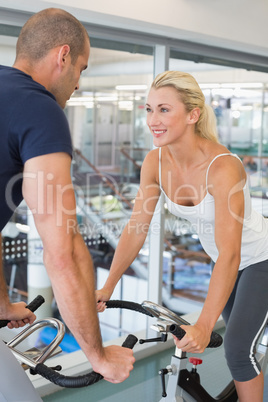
194	115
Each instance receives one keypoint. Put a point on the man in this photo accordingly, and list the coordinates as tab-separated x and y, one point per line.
35	160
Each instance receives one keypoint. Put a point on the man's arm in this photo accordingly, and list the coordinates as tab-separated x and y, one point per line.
15	312
48	191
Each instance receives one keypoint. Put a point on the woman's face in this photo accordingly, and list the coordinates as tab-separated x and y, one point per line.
167	118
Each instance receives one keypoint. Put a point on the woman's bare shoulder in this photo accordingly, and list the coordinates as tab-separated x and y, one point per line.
152	158
150	165
227	169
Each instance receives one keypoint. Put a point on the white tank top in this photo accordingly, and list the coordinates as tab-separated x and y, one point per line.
254	246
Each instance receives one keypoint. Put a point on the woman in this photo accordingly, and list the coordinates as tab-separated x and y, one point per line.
206	184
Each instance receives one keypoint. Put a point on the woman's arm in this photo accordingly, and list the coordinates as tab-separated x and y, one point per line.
136	230
226	179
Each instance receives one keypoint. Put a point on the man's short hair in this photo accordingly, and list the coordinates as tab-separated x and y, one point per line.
48	29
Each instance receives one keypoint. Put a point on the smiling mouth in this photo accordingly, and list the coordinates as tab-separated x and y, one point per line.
158	133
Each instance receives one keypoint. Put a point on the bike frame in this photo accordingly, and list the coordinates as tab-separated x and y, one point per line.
31	358
183	386
10	356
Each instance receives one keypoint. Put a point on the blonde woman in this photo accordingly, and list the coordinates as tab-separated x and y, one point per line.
206	184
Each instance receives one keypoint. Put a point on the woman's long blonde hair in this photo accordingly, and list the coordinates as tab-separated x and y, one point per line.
192	97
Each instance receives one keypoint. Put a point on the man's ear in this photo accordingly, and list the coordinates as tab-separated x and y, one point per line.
63	54
194	115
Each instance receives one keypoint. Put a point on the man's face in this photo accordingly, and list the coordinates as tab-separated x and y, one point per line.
68	81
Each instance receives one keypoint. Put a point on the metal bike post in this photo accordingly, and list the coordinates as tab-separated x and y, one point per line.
174	392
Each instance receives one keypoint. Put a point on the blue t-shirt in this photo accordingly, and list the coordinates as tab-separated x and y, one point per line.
31	124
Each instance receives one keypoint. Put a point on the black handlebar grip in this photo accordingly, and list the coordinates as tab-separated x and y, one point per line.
215	339
176	330
67	381
130	341
79	381
33	306
36	303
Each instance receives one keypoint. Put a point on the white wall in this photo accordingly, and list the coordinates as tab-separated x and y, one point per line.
235	24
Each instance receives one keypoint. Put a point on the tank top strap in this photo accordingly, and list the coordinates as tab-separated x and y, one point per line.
216	157
159	167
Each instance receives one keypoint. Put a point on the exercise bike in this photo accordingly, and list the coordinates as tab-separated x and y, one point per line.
183	385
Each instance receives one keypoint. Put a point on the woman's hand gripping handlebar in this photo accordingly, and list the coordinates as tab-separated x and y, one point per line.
215	339
172	322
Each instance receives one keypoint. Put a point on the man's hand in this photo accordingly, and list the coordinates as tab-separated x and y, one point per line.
17	314
116	364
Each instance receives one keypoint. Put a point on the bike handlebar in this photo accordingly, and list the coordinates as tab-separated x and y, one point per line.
93	377
33	306
78	381
215	339
57	378
127	305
